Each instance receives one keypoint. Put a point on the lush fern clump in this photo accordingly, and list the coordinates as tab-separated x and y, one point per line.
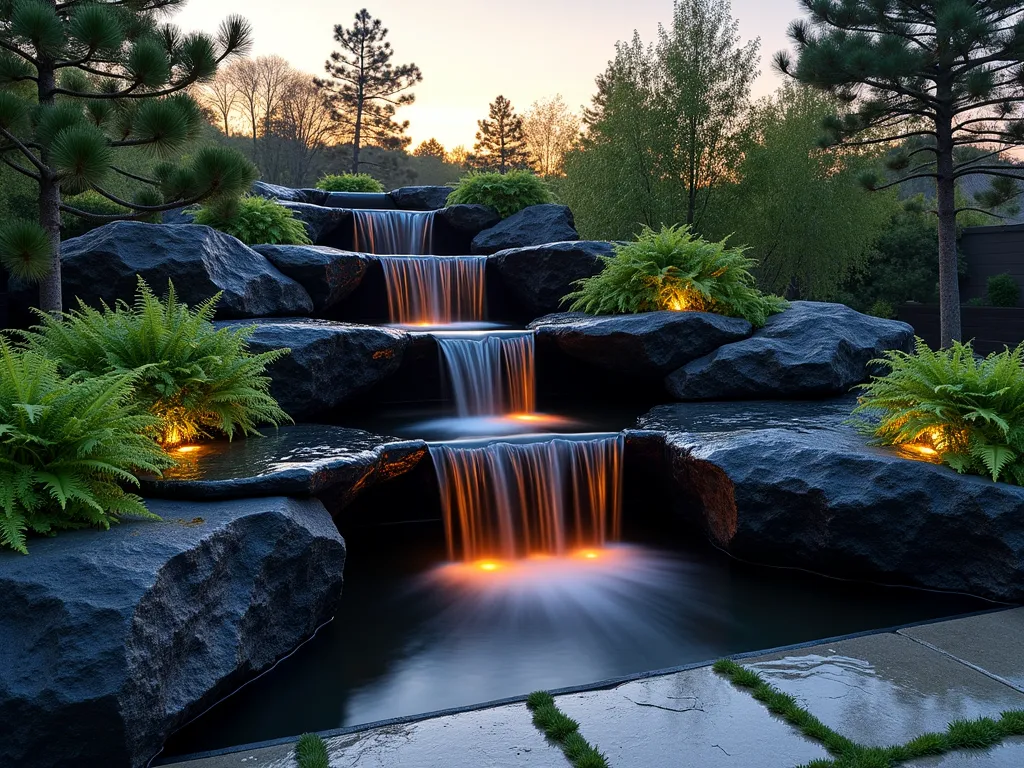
967	411
195	379
254	221
66	447
506	193
674	269
349	182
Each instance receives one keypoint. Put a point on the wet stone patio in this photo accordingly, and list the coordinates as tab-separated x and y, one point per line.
876	689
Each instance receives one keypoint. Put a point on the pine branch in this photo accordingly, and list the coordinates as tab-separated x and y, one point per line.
21	147
20	168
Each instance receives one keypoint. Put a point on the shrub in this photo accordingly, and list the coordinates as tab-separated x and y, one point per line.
674	269
949	404
91	202
254	221
195	379
349	182
1003	291
507	193
977	301
311	752
66	446
883	309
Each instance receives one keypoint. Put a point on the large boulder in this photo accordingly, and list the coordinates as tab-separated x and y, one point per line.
421	198
114	639
648	344
277	192
335	464
538	277
789	484
103	265
328	275
330	363
468	220
333	227
810	350
536	225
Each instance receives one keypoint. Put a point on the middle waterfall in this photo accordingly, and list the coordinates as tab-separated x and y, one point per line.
491	374
435	290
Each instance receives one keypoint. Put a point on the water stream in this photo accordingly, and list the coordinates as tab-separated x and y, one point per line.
394	232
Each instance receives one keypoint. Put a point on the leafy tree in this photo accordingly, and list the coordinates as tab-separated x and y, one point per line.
500	142
81	83
367	87
946	73
431	148
799	208
550	128
662	131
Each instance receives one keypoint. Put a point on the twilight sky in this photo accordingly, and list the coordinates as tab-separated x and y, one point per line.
470	54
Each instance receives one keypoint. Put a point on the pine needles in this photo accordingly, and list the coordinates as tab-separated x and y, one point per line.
196	380
67	446
967	411
674	269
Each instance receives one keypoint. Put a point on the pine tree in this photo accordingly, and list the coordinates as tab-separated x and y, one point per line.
80	82
501	141
927	78
431	148
367	87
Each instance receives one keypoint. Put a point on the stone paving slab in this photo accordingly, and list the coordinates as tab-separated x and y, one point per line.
1010	754
884	689
692	718
503	737
993	642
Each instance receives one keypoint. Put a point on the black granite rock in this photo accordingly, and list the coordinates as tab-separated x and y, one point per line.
468	220
420	198
328	275
538	277
652	343
334	464
103	265
114	639
536	225
330	363
812	349
332	227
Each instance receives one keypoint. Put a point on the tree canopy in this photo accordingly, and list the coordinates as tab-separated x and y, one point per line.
500	141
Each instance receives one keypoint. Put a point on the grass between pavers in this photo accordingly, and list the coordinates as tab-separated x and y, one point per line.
564	731
981	733
311	752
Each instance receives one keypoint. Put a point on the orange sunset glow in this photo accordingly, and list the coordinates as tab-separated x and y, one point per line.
470	52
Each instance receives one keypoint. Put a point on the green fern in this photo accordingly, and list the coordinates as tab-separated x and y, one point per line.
195	379
67	446
254	221
969	411
674	269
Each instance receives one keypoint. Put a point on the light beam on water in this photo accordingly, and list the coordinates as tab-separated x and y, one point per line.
506	500
394	232
436	290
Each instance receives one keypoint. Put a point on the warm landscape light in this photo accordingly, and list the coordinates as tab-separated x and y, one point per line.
187	449
488	565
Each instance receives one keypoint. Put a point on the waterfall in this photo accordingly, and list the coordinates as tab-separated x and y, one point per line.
436	290
508	499
394	232
490	374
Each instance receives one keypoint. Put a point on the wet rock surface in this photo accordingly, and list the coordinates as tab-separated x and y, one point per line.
813	349
117	638
536	225
104	265
420	198
790	484
538	278
332	463
648	344
332	227
329	364
328	275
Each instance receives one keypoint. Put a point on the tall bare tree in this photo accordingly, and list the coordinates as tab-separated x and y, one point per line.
305	124
367	87
550	128
221	97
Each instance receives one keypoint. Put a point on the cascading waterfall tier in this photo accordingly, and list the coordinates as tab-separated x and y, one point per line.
436	290
491	374
394	232
515	499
